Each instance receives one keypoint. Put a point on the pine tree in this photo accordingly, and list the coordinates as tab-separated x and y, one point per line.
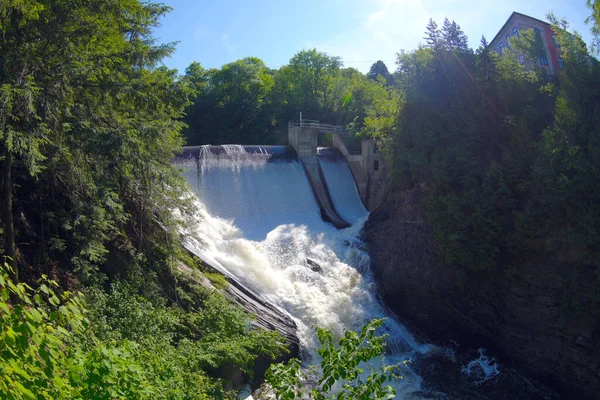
379	68
453	36
460	38
447	33
484	43
594	19
433	35
89	124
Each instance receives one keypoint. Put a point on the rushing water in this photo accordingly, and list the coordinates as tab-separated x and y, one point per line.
259	220
342	187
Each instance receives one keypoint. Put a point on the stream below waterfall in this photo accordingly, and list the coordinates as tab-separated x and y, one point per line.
259	220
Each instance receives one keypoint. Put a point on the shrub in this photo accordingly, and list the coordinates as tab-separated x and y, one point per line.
342	364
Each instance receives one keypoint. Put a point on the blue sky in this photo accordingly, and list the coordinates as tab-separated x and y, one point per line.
360	31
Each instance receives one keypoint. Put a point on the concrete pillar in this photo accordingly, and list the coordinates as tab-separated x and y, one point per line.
303	140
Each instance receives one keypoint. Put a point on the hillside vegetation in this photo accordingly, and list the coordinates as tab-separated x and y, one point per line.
509	154
90	121
89	125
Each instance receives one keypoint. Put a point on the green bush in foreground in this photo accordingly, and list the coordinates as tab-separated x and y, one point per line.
123	347
343	365
47	351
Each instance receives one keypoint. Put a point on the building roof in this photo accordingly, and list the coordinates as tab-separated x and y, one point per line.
514	13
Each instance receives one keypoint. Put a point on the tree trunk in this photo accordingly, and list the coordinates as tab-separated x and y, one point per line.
6	210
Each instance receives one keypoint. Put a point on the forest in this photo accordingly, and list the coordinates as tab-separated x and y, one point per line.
508	153
93	302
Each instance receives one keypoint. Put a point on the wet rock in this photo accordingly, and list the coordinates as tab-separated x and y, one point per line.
313	265
267	316
520	315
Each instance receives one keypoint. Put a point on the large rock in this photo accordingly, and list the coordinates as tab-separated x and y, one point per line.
520	314
266	316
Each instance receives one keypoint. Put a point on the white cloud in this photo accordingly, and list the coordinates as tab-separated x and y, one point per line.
227	43
386	28
379	15
200	33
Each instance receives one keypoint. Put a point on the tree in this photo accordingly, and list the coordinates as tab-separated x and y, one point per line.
88	127
197	76
231	104
594	19
306	82
380	69
343	363
433	35
454	37
61	345
530	44
486	64
567	170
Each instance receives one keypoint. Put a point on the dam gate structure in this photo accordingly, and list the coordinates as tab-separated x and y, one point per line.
362	156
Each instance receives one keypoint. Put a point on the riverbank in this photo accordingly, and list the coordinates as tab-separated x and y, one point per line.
519	311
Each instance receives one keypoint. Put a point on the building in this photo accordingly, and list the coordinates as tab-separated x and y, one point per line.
517	22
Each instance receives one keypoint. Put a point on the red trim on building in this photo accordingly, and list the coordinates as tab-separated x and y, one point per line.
552	49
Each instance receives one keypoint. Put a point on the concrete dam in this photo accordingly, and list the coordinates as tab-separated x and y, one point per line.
283	223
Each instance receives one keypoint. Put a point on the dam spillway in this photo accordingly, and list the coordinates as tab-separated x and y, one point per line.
255	188
341	185
260	224
260	221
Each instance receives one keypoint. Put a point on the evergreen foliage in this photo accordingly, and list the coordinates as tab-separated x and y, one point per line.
501	150
453	36
594	19
433	36
88	126
380	69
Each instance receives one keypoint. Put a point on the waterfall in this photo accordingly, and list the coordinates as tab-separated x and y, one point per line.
259	221
341	185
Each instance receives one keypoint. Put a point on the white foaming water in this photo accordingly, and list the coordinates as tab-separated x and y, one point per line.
252	193
482	368
259	221
342	189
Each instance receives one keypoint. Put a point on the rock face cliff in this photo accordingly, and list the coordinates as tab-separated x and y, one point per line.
544	318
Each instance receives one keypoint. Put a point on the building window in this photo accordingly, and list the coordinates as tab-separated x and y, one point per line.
544	60
501	47
522	59
508	41
537	31
560	62
555	42
516	32
376	165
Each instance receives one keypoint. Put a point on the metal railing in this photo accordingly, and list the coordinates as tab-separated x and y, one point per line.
323	128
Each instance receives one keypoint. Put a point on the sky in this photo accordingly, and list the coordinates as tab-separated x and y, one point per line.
216	32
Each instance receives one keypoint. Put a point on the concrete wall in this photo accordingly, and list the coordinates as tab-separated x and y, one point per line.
303	140
368	168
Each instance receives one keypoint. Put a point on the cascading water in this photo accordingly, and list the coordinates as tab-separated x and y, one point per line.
259	221
341	185
255	195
